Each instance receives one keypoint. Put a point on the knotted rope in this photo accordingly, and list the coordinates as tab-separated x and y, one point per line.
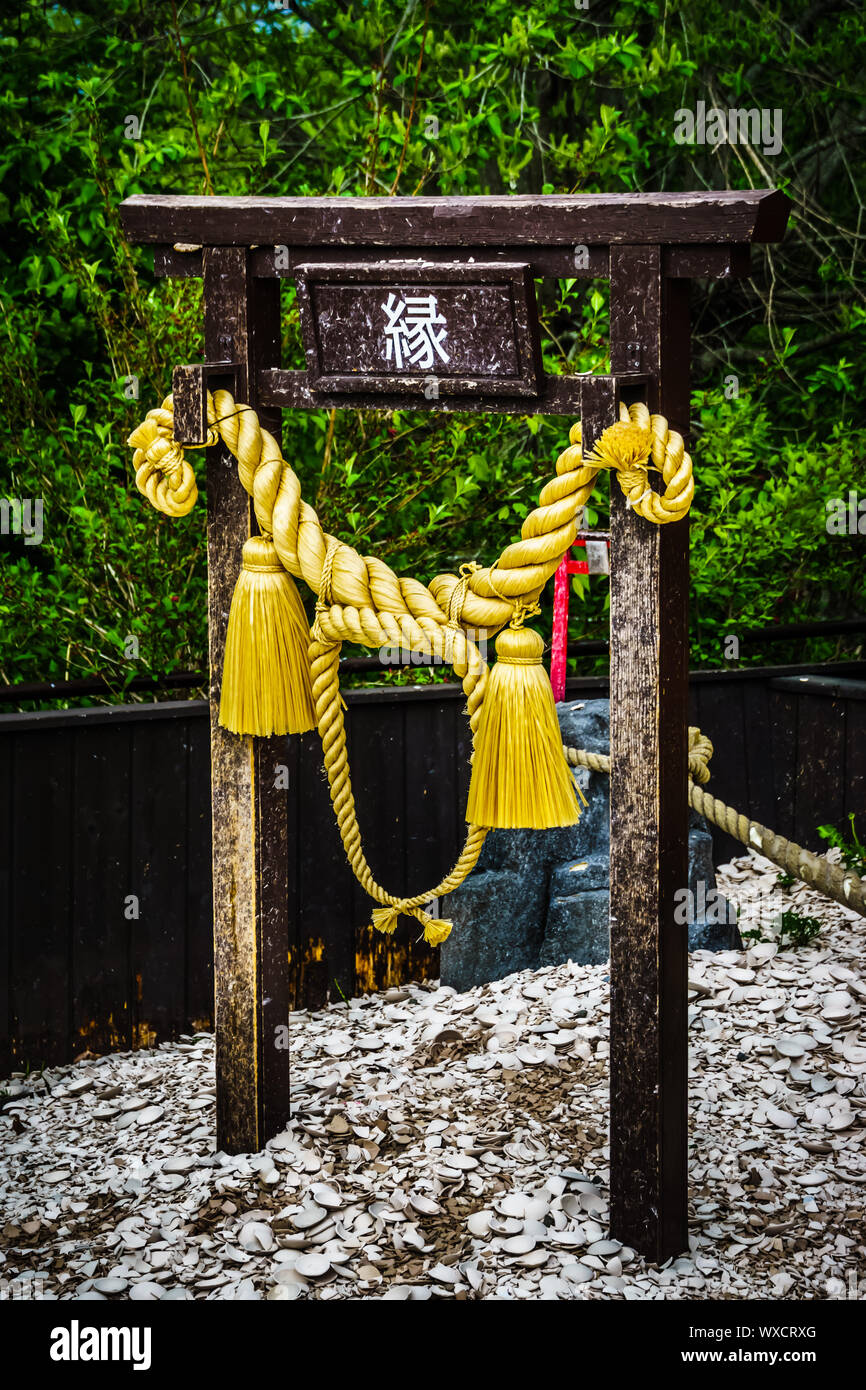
842	885
361	600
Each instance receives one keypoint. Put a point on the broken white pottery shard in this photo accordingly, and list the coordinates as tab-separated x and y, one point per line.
479	1223
312	1266
783	1119
523	1206
425	1205
309	1215
325	1196
256	1236
283	1293
518	1245
149	1114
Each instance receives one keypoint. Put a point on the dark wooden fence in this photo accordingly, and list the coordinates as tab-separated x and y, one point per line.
789	748
105	841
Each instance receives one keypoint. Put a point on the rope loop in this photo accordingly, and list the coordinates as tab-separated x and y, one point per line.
323	597
522	611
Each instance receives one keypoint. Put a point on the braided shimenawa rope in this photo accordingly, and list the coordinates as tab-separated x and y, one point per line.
361	600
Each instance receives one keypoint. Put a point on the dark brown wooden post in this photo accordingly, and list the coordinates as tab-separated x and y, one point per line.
648	787
250	827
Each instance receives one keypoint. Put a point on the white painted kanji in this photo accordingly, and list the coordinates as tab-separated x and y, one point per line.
415	330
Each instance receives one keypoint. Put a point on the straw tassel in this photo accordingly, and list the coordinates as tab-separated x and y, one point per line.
520	779
266	673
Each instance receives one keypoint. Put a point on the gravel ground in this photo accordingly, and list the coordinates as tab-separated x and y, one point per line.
454	1146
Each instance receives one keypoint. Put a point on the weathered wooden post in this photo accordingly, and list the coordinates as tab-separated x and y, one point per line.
248	798
649	806
484	253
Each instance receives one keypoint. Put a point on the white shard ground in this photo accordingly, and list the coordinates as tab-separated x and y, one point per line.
454	1146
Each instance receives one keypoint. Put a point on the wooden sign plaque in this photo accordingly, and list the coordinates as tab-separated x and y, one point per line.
420	328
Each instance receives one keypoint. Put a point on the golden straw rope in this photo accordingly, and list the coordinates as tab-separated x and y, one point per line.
361	600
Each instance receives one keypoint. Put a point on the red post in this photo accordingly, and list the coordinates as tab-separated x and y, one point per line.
559	642
560	629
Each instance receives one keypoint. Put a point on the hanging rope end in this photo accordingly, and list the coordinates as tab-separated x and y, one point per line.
520	779
436	929
385	919
266	673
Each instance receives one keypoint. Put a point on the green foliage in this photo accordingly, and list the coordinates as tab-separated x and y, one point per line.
853	850
795	929
760	518
789	930
376	97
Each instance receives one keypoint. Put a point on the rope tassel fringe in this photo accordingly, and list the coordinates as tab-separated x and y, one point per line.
520	779
266	675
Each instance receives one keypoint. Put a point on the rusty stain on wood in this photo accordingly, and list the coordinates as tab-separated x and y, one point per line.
143	1036
384	961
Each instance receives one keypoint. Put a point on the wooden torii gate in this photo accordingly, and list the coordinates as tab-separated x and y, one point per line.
483	252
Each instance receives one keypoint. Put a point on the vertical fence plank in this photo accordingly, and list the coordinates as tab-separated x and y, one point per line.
855	766
198	1003
820	766
649	808
463	744
322	941
103	915
760	768
7	792
430	770
433	840
158	878
377	752
783	708
722	720
42	898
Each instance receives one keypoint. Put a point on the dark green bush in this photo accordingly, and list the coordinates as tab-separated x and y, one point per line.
381	98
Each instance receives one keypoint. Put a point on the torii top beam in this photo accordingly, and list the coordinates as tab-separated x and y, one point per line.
728	217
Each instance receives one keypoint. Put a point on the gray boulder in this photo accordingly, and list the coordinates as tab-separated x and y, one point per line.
541	897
